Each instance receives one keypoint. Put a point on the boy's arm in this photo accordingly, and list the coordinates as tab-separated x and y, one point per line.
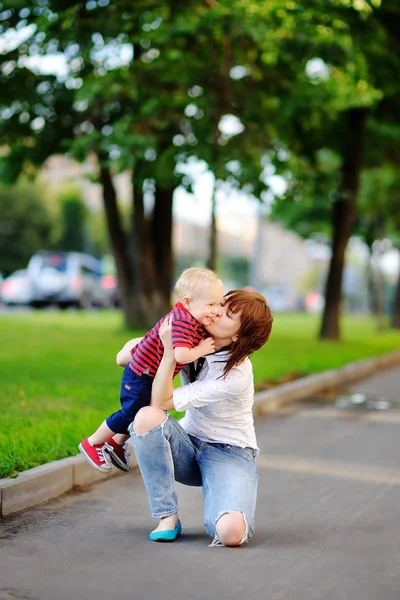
187	355
124	355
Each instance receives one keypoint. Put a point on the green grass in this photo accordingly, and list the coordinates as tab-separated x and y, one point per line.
59	379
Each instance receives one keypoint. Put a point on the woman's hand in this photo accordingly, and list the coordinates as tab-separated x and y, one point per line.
162	389
165	334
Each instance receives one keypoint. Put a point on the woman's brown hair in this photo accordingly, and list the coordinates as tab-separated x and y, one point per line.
255	324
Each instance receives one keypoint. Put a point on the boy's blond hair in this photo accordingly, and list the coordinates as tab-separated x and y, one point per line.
193	281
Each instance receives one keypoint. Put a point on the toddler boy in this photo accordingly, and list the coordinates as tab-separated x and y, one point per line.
199	293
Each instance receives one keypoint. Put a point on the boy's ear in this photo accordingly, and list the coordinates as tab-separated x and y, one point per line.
186	301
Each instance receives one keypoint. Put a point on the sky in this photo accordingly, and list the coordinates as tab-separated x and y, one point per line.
196	208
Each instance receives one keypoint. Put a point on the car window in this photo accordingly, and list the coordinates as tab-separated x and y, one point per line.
87	271
55	261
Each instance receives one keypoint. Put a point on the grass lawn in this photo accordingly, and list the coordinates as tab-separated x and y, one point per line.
59	379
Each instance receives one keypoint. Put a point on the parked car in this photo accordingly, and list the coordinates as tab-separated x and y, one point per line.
17	288
110	283
314	302
67	279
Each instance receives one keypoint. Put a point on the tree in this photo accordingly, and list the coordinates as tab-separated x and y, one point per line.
337	115
63	123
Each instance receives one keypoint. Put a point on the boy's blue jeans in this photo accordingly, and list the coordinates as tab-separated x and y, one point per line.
135	393
227	473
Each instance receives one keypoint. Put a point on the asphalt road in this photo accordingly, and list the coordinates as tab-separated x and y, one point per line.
327	523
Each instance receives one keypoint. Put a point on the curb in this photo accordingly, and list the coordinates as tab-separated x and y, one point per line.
300	389
40	484
51	480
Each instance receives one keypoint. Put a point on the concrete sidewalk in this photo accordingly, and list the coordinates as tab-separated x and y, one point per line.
38	485
327	523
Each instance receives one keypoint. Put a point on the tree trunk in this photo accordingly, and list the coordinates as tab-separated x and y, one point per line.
343	217
212	256
378	293
123	263
148	289
395	314
162	242
375	286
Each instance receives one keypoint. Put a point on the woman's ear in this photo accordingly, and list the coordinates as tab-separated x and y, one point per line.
235	338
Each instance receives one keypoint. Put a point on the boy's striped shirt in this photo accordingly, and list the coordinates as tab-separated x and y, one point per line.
186	333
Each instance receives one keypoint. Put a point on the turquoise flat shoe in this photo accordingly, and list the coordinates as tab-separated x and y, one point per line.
169	535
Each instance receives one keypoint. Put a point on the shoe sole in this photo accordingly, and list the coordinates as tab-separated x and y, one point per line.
164	540
115	460
93	464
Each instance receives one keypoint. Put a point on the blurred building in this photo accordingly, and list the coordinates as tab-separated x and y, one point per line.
276	256
283	258
59	170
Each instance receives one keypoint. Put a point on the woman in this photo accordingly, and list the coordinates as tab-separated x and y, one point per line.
214	446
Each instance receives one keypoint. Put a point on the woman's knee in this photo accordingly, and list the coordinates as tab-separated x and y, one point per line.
232	528
148	418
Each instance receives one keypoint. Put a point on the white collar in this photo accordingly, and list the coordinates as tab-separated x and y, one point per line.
219	356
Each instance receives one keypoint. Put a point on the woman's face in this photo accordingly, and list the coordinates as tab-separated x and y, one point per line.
226	324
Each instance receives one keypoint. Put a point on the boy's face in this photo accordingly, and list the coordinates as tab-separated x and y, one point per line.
205	307
228	323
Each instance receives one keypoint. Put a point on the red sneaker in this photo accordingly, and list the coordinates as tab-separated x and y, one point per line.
119	455
95	455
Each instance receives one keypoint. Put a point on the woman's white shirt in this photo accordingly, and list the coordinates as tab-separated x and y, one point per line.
219	409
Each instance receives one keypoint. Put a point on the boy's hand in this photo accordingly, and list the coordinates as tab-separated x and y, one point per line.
207	346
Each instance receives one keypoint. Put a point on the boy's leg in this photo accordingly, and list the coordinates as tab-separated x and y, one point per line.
93	450
117	449
100	446
101	435
121	438
135	394
114	448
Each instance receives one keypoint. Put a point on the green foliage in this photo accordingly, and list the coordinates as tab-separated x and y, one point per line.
98	241
25	226
379	202
74	217
307	204
360	59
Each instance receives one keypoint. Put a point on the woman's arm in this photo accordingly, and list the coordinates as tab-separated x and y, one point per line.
162	390
124	355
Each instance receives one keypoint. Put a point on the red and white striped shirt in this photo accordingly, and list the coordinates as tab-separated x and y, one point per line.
186	333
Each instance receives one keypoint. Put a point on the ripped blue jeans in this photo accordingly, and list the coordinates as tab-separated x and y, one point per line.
227	473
